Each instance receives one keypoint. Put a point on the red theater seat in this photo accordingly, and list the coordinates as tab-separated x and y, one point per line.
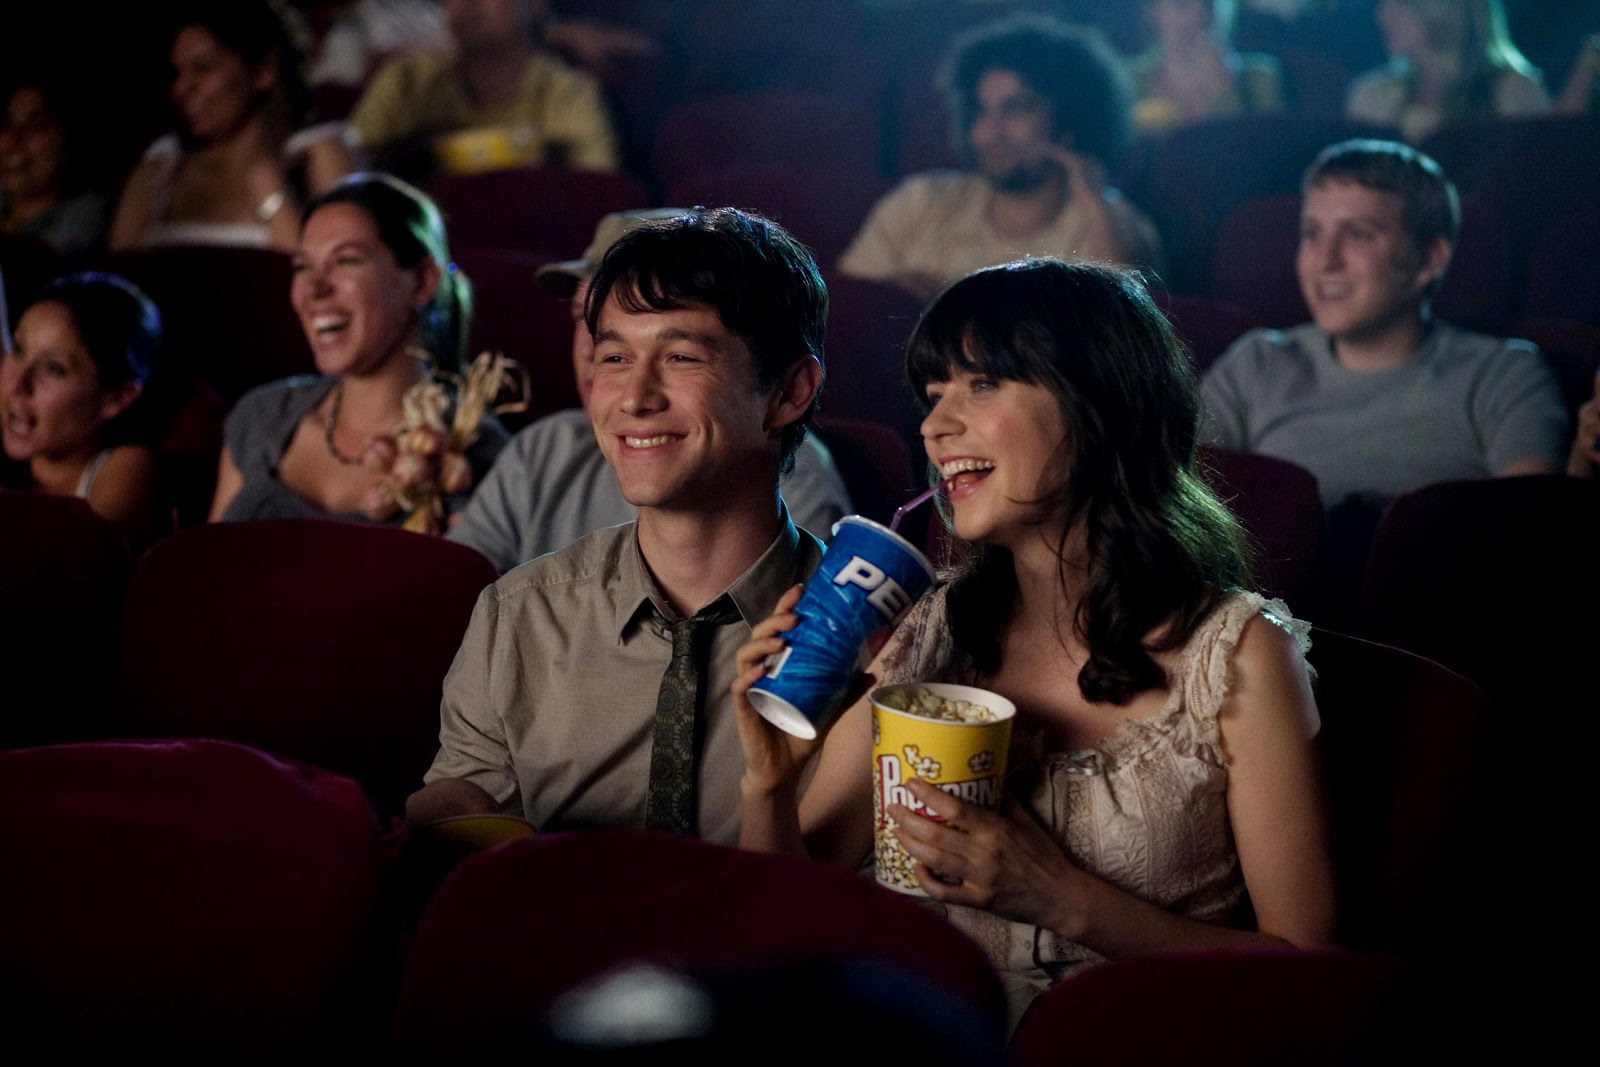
764	126
190	900
63	573
225	312
1278	503
876	467
321	641
821	204
1403	743
552	210
1206	325
514	315
1217	1009
564	909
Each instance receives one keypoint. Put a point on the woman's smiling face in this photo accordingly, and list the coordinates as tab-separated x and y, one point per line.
357	305
1005	443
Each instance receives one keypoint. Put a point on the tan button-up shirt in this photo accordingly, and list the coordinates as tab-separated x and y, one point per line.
937	225
550	704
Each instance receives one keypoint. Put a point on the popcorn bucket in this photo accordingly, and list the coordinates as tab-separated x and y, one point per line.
485	148
929	730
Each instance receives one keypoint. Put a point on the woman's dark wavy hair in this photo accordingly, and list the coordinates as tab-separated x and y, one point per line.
410	226
1162	550
121	330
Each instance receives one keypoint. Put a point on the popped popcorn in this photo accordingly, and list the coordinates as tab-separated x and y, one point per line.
925	703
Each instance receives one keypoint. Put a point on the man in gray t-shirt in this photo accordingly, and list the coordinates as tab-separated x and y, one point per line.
1373	396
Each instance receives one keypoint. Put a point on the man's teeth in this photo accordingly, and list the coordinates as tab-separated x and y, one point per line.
647	442
960	466
329	323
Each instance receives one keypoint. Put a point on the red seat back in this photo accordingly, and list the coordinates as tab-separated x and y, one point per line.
225	312
1254	265
1206	325
1402	742
822	204
1494	578
1564	269
764	126
1278	503
552	210
63	573
876	466
321	641
563	909
869	323
1304	1008
513	314
189	899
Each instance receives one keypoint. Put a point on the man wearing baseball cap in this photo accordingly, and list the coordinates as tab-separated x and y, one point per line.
551	485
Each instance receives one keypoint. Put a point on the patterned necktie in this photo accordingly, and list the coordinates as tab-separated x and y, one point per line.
670	803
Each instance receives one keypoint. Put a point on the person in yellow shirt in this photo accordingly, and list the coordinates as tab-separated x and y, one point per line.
494	100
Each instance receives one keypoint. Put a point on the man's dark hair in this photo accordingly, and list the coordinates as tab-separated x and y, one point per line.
761	282
1429	205
1072	67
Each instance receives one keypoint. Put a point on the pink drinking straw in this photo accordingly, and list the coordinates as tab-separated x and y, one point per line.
900	512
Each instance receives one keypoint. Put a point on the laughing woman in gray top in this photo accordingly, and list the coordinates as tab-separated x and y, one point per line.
380	303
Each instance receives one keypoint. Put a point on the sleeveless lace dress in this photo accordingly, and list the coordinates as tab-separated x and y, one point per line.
1146	810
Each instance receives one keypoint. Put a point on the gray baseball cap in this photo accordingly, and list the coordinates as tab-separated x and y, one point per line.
564	277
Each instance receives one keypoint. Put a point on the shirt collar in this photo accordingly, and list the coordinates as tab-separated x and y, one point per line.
754	593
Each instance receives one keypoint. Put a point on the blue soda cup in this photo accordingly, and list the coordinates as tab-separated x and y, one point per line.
867	579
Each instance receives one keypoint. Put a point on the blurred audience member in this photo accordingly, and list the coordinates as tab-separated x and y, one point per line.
1191	72
354	37
1374	396
1041	109
43	187
1582	91
242	160
1449	60
552	484
382	306
1584	459
495	100
351	38
76	365
604	48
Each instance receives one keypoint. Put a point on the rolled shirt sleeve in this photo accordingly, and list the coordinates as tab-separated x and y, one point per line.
472	739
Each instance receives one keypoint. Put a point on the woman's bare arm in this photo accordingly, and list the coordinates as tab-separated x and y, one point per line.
1007	864
126	492
135	208
229	482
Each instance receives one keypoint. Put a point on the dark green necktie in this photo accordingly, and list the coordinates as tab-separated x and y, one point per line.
670	803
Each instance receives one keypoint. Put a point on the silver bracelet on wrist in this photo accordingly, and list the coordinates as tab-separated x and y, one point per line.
270	206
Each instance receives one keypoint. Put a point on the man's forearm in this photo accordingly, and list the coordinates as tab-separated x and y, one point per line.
447	797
